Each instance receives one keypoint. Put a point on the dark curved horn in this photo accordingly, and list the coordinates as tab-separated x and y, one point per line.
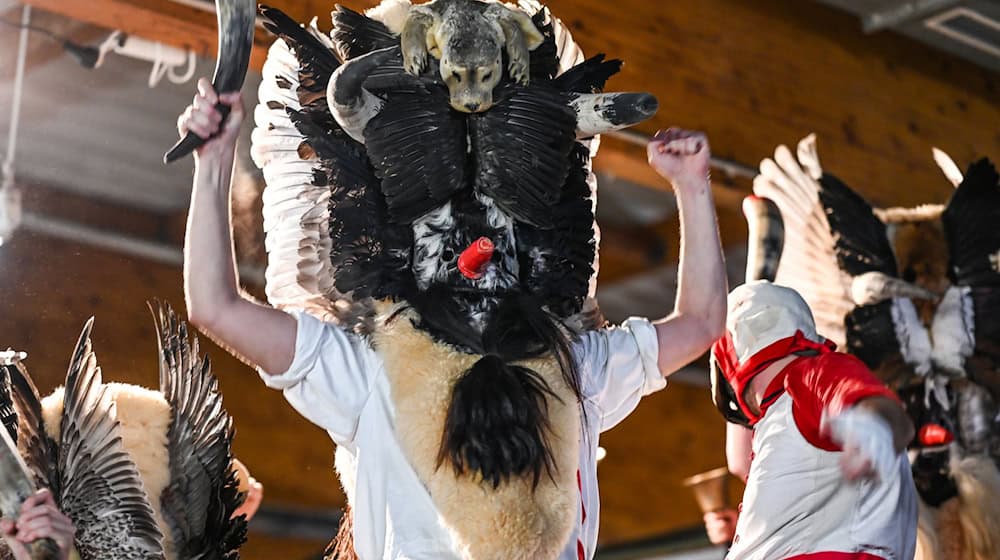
597	113
351	104
766	238
236	27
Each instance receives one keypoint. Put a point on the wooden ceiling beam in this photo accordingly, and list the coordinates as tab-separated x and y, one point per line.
188	27
167	22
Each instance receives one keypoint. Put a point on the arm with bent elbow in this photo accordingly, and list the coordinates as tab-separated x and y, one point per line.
699	316
259	334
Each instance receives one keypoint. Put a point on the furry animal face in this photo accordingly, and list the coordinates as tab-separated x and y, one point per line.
469	38
471	67
920	248
469	46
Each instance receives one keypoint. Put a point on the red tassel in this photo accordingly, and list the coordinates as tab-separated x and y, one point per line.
473	261
931	435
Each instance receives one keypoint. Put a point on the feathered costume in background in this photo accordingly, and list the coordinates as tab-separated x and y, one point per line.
143	475
466	236
915	294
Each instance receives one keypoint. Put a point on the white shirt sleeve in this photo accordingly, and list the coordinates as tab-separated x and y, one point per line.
618	367
330	378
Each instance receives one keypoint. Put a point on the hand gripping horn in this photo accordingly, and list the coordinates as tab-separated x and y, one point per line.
236	28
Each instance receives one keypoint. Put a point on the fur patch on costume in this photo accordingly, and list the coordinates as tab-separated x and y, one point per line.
513	521
392	13
978	484
52	409
966	527
144	418
921	213
928	547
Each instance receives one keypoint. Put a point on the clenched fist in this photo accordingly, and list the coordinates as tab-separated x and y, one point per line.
680	156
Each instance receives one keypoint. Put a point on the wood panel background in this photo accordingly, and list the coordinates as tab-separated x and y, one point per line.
751	74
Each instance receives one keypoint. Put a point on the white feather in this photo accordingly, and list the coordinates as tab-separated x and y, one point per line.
954	330
429	241
808	261
299	274
914	341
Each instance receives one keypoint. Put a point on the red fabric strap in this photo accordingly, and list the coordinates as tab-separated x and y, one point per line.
739	375
836	556
828	384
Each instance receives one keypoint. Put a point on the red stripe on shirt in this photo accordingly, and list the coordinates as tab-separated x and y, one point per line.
581	554
836	556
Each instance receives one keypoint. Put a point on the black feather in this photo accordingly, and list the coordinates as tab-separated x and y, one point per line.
418	147
7	414
317	60
557	262
544	60
860	237
521	148
971	227
871	336
203	494
36	447
355	34
590	76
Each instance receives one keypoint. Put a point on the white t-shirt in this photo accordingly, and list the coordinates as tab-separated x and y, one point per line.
797	503
338	382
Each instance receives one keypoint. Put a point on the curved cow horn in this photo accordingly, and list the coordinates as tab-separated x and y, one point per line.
948	167
597	113
236	26
766	238
875	287
350	103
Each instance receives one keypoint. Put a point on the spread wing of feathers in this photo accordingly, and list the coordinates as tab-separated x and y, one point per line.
203	493
21	413
809	261
22	417
294	129
418	146
970	224
99	486
836	239
355	34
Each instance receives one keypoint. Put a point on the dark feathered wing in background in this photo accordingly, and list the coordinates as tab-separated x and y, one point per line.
203	493
26	425
98	485
874	287
972	228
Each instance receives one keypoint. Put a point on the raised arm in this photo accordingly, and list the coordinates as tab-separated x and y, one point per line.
259	334
699	315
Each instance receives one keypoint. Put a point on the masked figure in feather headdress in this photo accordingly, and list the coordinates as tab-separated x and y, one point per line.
141	474
430	229
915	294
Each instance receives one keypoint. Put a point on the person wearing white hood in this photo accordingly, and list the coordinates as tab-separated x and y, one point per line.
828	476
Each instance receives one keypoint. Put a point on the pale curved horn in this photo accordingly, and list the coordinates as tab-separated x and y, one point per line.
350	103
597	113
875	287
766	238
948	167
